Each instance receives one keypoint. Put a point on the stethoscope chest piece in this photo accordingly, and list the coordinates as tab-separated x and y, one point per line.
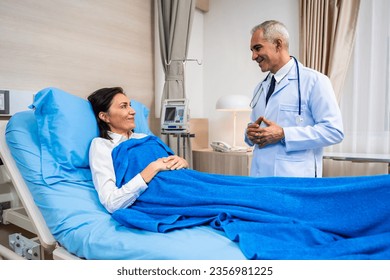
298	119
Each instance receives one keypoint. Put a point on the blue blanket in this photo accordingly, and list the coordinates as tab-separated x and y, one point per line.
270	218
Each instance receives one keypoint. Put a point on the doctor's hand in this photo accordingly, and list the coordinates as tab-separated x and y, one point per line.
264	136
253	131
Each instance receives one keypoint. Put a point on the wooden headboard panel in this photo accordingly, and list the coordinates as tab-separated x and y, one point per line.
78	46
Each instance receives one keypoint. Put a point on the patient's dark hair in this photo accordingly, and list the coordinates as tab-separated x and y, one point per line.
101	101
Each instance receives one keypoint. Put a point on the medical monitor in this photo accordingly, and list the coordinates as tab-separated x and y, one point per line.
174	116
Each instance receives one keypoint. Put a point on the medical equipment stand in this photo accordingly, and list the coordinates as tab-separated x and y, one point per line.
178	135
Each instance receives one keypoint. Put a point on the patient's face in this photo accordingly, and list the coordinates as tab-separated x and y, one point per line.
120	115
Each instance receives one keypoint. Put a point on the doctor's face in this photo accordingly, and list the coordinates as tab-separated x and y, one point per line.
120	115
264	52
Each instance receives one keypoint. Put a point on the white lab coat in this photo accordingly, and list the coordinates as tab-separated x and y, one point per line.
321	125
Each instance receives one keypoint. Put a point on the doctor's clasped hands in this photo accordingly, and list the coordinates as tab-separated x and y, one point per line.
264	135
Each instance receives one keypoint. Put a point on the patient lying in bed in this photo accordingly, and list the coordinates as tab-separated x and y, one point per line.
49	145
145	186
115	118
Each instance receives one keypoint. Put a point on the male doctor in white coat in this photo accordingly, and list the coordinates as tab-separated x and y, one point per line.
301	115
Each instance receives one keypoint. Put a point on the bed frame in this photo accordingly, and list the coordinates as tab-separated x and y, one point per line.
24	214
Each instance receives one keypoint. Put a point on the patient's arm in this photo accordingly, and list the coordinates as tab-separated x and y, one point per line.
152	169
103	175
104	179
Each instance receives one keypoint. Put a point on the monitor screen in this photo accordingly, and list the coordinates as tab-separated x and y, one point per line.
170	113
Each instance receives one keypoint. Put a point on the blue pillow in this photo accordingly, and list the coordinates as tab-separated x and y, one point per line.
141	117
22	139
66	127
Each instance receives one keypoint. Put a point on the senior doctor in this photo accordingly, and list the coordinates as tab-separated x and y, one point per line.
300	116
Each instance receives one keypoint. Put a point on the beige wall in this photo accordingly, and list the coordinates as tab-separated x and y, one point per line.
78	46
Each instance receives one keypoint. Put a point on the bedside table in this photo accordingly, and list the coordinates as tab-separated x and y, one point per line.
231	163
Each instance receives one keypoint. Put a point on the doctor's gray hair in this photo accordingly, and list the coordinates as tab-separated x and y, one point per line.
273	30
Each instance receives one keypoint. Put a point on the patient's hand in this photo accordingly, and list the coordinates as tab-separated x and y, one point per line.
175	162
161	164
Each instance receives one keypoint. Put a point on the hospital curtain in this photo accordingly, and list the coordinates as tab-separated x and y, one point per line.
327	37
174	23
365	103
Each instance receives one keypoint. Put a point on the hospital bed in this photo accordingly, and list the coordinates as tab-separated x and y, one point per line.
45	153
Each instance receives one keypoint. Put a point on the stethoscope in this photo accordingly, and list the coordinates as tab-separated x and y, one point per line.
256	97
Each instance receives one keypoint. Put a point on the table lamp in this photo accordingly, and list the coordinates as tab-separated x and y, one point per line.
233	103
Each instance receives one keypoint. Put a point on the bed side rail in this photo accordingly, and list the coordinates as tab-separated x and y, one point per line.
38	223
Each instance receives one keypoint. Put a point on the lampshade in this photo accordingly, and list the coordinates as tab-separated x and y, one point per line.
233	102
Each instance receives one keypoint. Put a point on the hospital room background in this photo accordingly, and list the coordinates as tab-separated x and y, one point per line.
80	46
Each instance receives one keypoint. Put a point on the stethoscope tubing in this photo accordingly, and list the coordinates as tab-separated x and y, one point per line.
299	90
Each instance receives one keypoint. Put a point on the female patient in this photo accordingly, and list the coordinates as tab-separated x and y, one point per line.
271	218
115	119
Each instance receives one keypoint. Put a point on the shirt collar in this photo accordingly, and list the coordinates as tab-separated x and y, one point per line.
117	138
282	72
